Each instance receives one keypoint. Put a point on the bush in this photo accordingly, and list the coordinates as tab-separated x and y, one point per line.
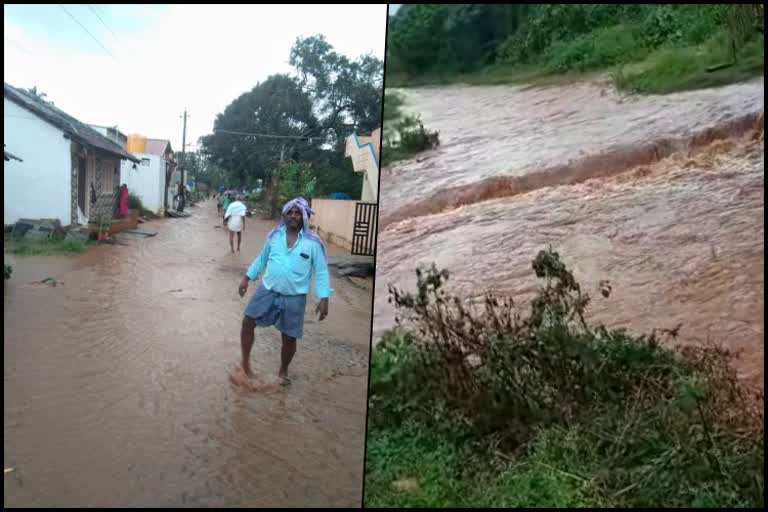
296	179
494	368
134	202
599	49
542	395
404	136
393	104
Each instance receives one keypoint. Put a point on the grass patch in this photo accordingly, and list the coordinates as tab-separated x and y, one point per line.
497	74
444	473
47	248
488	405
673	69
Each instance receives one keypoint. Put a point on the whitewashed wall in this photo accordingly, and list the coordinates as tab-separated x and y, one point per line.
334	220
40	186
146	181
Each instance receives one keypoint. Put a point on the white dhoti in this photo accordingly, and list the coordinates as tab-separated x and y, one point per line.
235	223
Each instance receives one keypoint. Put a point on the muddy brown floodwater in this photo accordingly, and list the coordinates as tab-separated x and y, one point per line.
116	388
661	195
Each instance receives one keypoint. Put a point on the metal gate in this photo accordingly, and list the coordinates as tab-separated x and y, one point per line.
364	230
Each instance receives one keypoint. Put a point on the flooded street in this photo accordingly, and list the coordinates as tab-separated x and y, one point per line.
663	196
116	389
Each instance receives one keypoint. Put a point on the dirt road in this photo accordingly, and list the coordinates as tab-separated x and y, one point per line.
116	389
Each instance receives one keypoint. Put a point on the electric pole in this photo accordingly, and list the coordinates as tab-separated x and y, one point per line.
276	182
183	191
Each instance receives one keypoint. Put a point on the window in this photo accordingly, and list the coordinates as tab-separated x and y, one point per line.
145	162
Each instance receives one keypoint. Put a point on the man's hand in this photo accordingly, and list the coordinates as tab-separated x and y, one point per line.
322	309
243	286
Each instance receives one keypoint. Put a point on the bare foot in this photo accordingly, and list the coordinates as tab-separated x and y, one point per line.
249	382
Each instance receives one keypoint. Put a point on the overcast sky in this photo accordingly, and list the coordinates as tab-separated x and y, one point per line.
158	60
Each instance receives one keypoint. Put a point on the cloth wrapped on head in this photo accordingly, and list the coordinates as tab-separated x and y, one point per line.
306	213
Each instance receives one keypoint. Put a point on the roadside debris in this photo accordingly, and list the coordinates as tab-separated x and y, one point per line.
357	266
36	229
140	232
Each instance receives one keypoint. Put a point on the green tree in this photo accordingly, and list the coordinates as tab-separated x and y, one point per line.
346	93
303	117
295	179
274	111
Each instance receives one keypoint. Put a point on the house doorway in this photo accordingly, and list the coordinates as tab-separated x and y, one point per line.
82	186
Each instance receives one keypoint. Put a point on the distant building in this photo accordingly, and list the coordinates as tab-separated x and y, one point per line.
350	223
152	179
113	133
364	152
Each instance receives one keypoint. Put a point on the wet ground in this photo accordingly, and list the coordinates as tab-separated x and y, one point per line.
663	196
117	391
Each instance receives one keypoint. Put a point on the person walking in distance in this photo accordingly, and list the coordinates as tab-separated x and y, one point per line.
225	203
234	219
292	253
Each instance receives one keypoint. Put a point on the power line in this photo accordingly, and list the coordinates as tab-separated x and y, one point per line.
87	31
101	20
297	137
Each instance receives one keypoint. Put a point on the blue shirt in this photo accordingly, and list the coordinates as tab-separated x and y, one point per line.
288	271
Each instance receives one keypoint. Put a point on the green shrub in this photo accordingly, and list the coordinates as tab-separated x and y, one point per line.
599	49
296	179
485	405
134	202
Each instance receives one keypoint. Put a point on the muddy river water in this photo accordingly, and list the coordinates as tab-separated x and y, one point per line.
663	196
116	388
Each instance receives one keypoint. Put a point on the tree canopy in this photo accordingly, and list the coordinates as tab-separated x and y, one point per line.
304	116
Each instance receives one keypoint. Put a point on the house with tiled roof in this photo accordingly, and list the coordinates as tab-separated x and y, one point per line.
68	168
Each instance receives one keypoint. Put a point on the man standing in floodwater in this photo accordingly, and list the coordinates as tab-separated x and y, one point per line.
291	253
